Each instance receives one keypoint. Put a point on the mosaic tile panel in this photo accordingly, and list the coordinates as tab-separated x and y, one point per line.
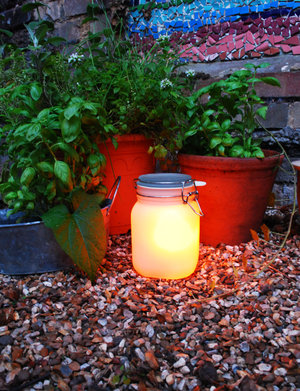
206	30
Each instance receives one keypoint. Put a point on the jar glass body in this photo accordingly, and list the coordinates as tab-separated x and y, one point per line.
165	236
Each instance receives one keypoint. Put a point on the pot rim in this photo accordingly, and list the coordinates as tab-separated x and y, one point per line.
37	222
269	155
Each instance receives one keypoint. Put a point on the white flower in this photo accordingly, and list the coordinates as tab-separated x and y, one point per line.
75	57
163	38
190	73
166	83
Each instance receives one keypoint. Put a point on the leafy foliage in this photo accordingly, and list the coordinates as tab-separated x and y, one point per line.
225	123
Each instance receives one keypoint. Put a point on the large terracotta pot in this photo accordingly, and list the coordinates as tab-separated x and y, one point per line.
236	194
130	160
296	165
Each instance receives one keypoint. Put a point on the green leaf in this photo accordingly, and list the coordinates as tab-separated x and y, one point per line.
236	151
45	167
31	6
56	41
63	173
271	81
33	132
257	152
226	124
36	91
72	110
189	133
27	176
262	112
214	142
82	234
70	128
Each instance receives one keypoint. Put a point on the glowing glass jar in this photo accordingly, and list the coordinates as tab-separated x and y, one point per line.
165	225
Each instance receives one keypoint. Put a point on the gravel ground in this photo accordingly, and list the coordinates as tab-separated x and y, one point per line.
226	327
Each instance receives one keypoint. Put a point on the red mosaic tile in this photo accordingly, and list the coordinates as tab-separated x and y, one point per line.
210	40
294	29
255	54
212	57
272	51
261	32
292	41
242	53
249	47
278	38
264	46
285	32
222	48
285	48
202	48
236	54
195	50
227	38
217	28
240	36
296	49
257	21
280	22
277	30
264	38
212	50
201	56
267	22
253	28
231	46
223	56
249	37
256	35
271	39
270	30
286	22
294	19
239	44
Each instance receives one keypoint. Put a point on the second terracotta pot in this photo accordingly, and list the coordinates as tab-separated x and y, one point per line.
236	194
130	160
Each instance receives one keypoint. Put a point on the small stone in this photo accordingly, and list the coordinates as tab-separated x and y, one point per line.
280	372
170	379
217	357
6	340
179	363
244	347
185	370
151	360
65	370
264	367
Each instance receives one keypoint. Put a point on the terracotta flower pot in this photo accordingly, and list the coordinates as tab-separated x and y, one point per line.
129	160
236	194
296	165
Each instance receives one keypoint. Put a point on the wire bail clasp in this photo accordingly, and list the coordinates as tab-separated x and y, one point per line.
185	198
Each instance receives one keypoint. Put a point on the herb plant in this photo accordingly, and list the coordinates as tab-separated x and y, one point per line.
224	124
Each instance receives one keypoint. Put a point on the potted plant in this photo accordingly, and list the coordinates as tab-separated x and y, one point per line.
142	95
55	171
221	149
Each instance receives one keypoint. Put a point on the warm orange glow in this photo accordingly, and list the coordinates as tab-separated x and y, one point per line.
165	238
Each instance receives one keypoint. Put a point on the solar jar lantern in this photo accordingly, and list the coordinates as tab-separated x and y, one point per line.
165	226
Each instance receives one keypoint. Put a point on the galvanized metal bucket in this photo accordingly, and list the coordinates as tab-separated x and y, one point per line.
30	248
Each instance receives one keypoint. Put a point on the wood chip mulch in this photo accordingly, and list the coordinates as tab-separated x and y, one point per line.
226	327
